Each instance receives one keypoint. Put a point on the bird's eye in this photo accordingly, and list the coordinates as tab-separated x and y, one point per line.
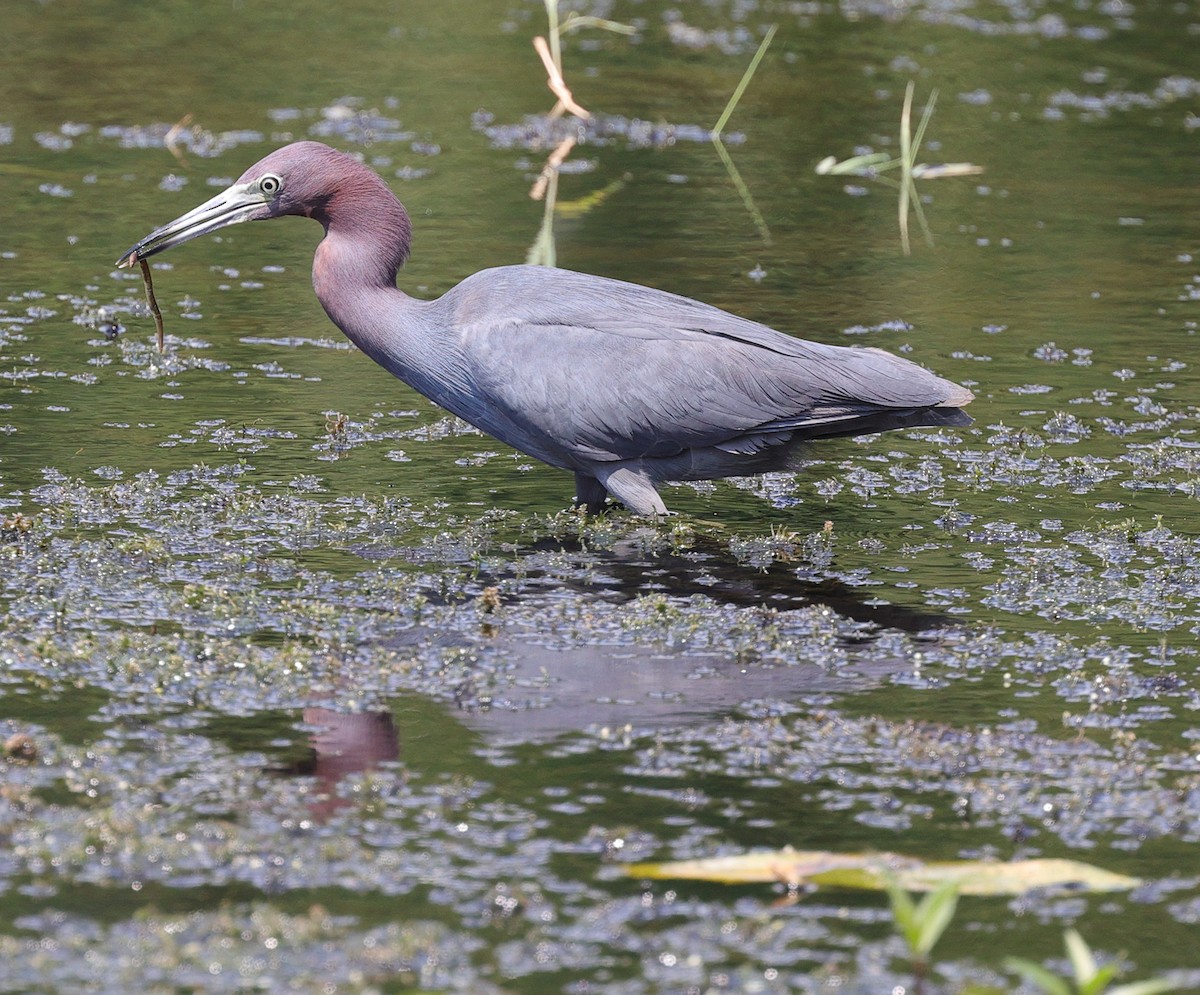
270	184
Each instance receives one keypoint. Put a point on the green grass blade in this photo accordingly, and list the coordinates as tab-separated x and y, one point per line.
577	22
1150	987
1035	974
919	211
926	115
907	189
902	209
904	913
934	915
906	126
743	191
554	33
1098	985
745	81
1082	961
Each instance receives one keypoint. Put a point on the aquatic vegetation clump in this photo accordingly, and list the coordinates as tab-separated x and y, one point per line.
242	947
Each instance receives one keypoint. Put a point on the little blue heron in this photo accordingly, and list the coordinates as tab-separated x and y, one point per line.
624	385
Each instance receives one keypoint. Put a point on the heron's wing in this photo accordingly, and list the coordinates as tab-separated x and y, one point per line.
612	370
608	396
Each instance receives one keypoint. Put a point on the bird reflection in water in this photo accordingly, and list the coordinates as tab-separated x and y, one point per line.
344	744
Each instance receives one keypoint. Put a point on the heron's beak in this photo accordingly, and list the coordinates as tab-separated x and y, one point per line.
240	202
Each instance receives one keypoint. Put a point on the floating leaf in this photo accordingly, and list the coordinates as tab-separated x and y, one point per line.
921	171
786	865
872	870
979	877
860	165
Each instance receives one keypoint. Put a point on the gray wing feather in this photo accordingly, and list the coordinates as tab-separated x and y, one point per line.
612	370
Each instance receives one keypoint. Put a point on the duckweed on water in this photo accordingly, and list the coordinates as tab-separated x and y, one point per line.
239	948
155	799
336	696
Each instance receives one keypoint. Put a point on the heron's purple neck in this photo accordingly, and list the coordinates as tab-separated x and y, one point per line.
367	231
367	239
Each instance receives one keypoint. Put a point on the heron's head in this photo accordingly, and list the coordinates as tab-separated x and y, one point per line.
296	179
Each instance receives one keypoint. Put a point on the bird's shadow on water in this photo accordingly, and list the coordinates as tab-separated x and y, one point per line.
657	682
628	570
530	684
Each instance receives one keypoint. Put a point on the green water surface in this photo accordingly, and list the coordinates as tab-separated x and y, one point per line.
989	651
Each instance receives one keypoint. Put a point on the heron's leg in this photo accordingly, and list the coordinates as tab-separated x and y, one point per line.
634	489
589	493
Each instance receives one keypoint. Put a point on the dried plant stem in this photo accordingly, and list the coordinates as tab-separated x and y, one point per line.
550	170
554	78
171	141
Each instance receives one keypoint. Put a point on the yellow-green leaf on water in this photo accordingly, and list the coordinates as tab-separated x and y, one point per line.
980	877
786	865
871	870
